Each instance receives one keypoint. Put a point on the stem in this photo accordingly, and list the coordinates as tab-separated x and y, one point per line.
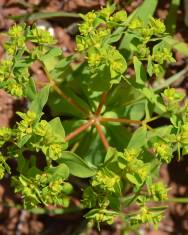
79	130
153	119
62	94
68	99
101	135
121	120
149	128
178	77
101	104
178	200
137	193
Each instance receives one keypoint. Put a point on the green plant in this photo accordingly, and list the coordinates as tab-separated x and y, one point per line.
103	111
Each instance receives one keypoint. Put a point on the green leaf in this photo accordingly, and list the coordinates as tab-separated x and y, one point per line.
181	47
40	100
128	45
57	127
158	208
150	66
61	106
22	164
23	141
148	110
32	171
141	76
118	136
46	15
154	98
50	59
177	77
59	172
115	36
91	148
77	166
55	211
31	91
137	111
98	83
62	69
160	131
117	95
138	138
171	18
146	10
110	154
133	179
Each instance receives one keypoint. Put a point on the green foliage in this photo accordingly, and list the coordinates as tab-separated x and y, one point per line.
14	69
45	188
158	191
145	216
99	102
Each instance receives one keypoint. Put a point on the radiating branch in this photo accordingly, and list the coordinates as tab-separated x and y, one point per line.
62	94
102	135
79	130
121	120
101	104
69	99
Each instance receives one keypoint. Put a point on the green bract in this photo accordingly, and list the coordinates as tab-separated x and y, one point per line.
102	112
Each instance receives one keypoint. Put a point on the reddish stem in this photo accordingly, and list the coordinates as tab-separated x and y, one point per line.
121	120
62	94
101	104
102	136
79	130
69	99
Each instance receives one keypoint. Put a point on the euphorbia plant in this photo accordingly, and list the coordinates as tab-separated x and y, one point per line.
103	112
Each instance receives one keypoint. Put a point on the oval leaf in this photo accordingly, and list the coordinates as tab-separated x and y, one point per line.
77	166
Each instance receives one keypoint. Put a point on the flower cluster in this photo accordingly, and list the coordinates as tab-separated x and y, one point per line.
145	216
133	167
164	151
94	41
158	192
44	188
4	167
51	144
14	69
161	52
127	168
5	135
41	136
172	99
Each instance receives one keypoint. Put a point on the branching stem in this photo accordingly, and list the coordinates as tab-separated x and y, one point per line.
101	104
62	94
79	130
121	120
68	99
101	135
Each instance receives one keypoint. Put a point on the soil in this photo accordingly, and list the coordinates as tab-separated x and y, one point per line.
14	221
